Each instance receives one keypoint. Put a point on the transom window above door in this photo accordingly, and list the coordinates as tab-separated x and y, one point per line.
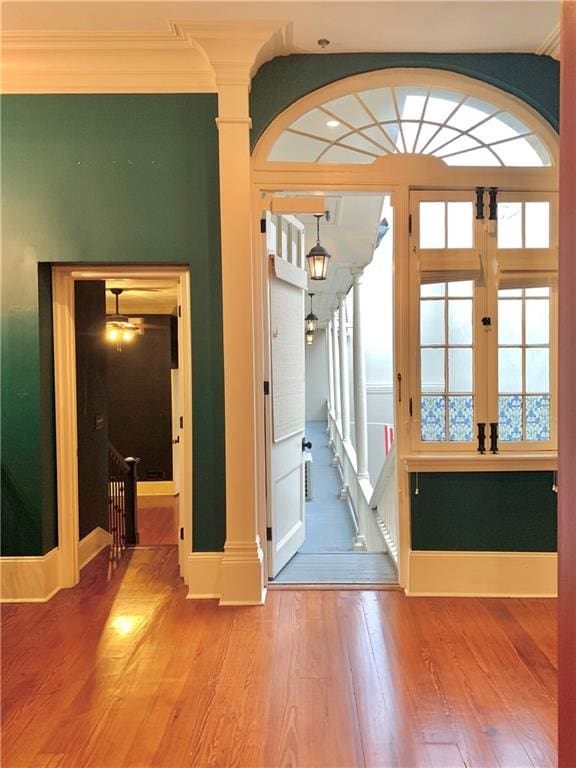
362	126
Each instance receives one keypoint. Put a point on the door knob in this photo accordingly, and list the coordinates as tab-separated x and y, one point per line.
306	444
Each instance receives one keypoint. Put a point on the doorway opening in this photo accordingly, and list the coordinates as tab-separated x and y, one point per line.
122	358
330	410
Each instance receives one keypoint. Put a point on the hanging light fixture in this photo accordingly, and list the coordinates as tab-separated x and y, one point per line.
310	321
309	336
119	329
318	256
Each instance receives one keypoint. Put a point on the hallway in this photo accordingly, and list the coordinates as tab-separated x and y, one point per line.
124	671
326	556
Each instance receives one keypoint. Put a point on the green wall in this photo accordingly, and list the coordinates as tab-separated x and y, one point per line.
112	179
284	80
483	511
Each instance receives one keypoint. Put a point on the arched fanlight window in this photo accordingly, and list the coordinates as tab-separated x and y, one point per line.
365	125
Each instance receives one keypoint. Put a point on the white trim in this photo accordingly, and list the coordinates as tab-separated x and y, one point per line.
92	544
63	278
474	462
155	488
30	579
203	575
550	46
483	574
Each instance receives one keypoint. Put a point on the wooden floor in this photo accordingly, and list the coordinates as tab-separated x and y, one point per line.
157	520
124	671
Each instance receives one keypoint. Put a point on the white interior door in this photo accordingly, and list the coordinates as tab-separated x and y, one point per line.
286	407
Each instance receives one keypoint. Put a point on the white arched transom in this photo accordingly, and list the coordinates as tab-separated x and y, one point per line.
454	125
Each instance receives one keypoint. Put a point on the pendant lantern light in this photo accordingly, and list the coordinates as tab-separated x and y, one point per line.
318	256
309	336
310	321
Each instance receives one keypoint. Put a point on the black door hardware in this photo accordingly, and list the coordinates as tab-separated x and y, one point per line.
494	437
481	437
306	444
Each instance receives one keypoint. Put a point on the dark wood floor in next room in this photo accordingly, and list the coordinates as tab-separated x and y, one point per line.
124	671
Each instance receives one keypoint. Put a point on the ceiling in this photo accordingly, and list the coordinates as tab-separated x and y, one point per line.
451	25
143	296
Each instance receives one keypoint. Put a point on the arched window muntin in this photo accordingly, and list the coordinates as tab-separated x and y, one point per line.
423	168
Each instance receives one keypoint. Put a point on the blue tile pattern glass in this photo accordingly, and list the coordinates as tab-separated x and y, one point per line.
510	417
433	418
538	417
460	418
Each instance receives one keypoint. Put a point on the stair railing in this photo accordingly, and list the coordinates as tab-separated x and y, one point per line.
122	501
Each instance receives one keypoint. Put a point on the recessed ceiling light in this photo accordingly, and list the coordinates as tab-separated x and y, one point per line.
333	123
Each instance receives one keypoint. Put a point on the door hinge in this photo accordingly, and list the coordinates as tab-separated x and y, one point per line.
493	203
399	379
409	223
410	406
479	203
266	387
181	422
268	533
181	534
179	311
262	226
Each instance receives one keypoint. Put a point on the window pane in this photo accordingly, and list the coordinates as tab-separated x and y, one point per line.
460	225
432	370
509	225
432	329
432	216
538	417
460	418
537	224
537	321
433	418
538	292
510	370
537	371
461	288
433	289
510	292
509	321
460	321
459	370
510	417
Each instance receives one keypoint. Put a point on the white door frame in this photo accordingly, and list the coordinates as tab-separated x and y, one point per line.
63	279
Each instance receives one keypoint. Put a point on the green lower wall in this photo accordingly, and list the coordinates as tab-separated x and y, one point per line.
104	179
483	511
284	80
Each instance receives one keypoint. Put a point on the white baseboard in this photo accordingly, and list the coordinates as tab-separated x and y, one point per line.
483	574
91	545
155	488
29	579
203	574
233	577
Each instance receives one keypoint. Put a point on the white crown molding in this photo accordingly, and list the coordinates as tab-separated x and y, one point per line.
551	44
190	57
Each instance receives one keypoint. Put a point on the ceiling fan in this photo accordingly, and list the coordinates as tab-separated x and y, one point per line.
120	328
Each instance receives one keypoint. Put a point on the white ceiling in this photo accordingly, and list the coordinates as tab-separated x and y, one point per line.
377	25
143	296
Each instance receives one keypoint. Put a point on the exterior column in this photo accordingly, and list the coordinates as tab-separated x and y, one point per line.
566	395
328	338
336	366
359	362
241	574
344	374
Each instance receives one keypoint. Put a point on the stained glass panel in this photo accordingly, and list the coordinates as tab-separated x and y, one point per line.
433	418
538	417
460	418
510	417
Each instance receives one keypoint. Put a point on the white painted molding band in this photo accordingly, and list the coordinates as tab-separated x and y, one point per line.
92	544
483	574
203	577
29	579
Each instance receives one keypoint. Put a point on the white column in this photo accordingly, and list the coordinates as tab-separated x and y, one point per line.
328	339
336	366
344	375
360	406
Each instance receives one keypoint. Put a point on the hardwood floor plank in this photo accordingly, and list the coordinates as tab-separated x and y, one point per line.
124	672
